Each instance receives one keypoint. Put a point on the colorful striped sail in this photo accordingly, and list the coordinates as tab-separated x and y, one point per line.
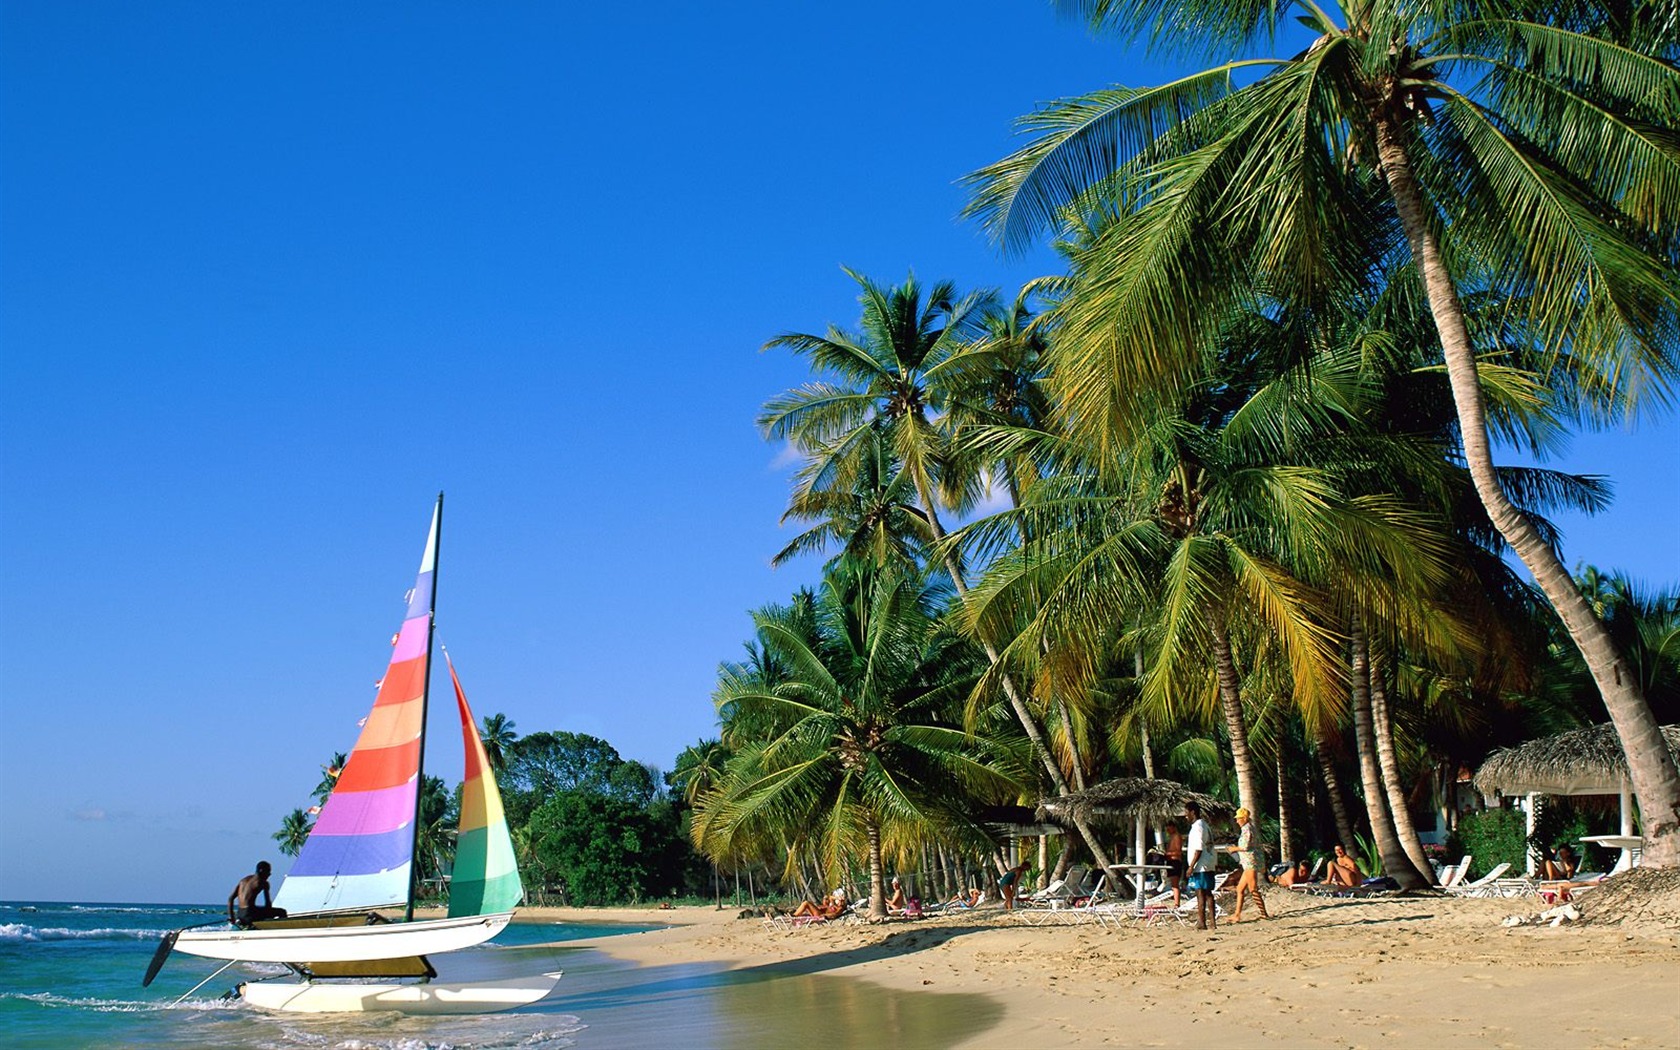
486	878
361	851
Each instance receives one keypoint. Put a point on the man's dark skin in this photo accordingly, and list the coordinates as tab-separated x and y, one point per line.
243	908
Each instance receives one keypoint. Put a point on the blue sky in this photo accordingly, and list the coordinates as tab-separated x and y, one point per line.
272	276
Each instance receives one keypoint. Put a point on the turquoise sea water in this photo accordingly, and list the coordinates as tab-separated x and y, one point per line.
70	977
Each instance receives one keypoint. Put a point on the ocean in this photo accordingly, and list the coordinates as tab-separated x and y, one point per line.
70	977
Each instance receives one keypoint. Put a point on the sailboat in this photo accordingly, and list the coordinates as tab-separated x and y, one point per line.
341	951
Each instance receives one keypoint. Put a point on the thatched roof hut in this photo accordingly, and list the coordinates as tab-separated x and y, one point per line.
1587	761
1117	804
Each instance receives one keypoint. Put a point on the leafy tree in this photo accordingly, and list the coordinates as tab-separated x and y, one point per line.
856	743
1524	148
543	764
605	849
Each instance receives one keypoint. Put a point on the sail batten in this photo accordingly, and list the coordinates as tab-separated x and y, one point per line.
360	853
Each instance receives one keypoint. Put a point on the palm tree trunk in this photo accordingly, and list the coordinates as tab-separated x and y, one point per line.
1286	829
1230	701
1074	764
1143	730
1333	788
1029	723
1389	764
877	884
1656	780
1396	864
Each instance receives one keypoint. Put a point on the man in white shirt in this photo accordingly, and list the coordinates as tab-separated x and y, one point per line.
1201	859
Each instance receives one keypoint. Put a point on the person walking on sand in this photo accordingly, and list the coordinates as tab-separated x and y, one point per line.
243	908
1201	858
1248	853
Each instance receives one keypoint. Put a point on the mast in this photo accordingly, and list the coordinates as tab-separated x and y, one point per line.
425	706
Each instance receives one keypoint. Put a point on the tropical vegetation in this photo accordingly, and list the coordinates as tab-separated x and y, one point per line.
1221	501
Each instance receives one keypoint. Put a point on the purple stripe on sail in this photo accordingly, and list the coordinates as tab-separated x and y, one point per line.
411	643
354	854
367	812
420	600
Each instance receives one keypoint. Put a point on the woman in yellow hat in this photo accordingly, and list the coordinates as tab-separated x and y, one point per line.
1251	856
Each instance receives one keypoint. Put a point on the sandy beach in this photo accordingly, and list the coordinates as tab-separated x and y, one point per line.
1410	971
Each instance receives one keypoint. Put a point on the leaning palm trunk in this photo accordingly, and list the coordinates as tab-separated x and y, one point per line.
1333	788
1656	780
1396	864
1389	764
1230	702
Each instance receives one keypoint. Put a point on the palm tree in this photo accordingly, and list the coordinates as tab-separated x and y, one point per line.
855	744
1524	148
872	514
294	831
904	365
499	738
329	777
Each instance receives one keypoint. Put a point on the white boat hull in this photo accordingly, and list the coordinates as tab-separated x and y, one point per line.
323	944
433	997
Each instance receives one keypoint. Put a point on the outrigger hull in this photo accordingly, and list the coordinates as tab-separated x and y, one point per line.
304	944
433	997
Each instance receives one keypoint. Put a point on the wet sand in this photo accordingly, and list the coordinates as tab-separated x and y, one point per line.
1391	972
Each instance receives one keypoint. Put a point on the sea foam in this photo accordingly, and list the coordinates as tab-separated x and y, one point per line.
23	933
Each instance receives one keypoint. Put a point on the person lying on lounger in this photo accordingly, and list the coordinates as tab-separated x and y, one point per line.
832	907
1343	871
1298	875
970	899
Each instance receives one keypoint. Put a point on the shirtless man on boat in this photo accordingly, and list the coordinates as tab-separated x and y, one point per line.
243	908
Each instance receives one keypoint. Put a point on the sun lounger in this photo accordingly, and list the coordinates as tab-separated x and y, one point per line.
1482	887
1453	874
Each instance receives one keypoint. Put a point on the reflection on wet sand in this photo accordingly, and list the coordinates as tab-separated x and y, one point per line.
705	1005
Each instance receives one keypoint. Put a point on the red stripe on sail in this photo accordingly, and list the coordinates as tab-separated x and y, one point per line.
404	681
380	767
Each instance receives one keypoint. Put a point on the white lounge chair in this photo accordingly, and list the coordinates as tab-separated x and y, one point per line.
1453	874
1482	887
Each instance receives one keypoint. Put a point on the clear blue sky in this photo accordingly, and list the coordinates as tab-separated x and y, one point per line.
273	275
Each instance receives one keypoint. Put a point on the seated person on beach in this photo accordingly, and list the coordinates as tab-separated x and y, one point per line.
1299	874
1562	866
896	901
832	907
1343	871
242	906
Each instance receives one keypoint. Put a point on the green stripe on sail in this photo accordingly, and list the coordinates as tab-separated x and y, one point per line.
486	879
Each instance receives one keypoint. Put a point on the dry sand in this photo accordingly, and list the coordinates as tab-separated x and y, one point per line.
1417	971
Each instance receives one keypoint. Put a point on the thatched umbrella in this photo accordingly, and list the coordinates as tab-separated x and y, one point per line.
1121	803
1587	761
1128	802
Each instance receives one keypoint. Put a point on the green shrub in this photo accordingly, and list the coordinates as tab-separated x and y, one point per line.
1493	837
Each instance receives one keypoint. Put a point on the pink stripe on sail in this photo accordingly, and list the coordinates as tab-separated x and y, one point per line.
411	642
367	812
